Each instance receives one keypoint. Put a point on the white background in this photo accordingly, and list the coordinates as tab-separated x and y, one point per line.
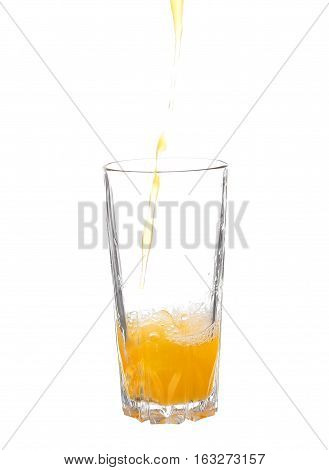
114	59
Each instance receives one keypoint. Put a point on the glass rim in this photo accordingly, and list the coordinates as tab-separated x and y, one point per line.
118	165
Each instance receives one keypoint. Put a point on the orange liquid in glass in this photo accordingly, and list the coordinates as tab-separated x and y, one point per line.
169	360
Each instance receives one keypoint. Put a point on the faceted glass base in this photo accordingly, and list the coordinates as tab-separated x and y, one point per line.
173	414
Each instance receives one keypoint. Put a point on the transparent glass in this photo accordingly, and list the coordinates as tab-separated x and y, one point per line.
168	330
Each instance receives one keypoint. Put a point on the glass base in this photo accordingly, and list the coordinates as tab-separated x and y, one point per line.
169	414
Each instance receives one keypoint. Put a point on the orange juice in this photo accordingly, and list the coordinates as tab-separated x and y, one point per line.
169	359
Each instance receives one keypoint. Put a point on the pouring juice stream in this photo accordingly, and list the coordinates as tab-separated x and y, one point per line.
177	8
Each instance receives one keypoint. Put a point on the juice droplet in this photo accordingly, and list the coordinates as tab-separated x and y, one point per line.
161	146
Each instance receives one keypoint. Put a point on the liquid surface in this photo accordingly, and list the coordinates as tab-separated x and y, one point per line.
169	359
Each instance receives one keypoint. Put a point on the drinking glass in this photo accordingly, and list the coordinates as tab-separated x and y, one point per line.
168	299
